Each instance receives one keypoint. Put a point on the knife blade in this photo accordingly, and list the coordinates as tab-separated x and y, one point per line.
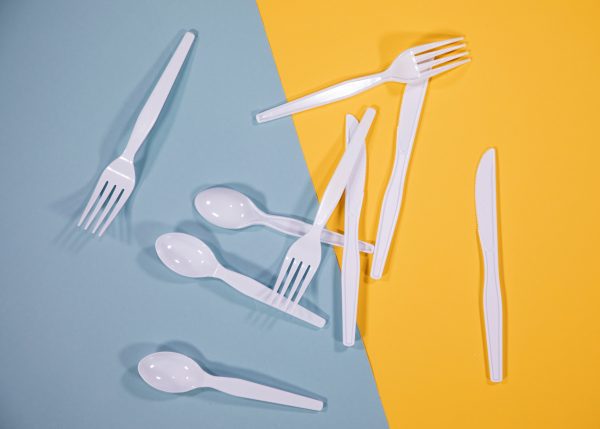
487	227
410	112
351	257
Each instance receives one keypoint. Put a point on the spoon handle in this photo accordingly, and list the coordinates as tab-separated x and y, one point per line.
298	228
259	292
259	392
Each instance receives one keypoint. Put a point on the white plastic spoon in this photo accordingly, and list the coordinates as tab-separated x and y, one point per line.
176	373
191	257
227	208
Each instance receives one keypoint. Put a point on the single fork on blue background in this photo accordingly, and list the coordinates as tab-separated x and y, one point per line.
117	181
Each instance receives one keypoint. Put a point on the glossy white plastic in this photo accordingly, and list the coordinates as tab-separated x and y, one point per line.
177	373
304	256
228	208
351	257
411	66
410	112
117	181
191	257
487	225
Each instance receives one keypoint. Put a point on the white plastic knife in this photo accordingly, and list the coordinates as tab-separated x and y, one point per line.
351	257
487	225
410	112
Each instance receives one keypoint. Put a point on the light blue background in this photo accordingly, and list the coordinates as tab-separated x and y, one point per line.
76	312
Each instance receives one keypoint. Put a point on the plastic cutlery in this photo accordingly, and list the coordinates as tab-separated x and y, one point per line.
304	256
410	112
117	181
411	66
351	256
191	257
487	225
228	208
177	373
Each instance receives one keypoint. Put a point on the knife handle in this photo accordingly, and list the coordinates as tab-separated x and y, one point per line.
492	313
351	256
259	292
410	111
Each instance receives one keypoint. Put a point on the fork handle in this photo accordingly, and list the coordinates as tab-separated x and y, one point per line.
410	112
149	114
337	92
341	175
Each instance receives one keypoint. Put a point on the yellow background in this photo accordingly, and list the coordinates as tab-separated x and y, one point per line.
532	92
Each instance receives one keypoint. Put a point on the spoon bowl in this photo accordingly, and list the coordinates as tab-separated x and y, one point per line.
186	255
171	372
227	208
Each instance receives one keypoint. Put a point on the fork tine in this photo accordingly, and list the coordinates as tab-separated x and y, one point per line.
97	191
307	280
118	206
107	192
301	275
282	272
429	46
295	269
442	69
429	55
114	196
431	64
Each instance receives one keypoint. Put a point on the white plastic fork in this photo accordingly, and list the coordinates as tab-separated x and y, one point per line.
304	256
411	66
117	181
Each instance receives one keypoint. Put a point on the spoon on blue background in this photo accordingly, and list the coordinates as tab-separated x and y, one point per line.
191	257
176	373
230	209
